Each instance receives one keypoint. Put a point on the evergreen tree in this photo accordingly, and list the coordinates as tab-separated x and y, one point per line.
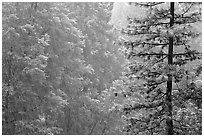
160	47
99	51
56	60
27	96
100	56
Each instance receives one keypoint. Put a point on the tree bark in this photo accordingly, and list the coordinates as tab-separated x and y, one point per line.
169	119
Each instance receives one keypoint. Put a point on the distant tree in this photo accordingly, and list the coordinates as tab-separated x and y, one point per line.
163	49
99	51
32	103
102	59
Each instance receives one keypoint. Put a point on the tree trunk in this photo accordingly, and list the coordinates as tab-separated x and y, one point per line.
92	128
169	119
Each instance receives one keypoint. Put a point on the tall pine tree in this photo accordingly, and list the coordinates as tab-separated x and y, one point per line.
161	46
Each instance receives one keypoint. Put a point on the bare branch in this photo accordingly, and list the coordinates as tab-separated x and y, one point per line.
149	4
187	9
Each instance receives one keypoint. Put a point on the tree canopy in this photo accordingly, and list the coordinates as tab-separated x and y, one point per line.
70	69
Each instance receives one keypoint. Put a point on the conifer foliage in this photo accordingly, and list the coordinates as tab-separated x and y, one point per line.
55	60
161	47
64	72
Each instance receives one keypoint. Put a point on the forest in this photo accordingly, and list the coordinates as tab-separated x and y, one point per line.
101	68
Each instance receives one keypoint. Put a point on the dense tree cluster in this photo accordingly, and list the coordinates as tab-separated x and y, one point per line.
57	58
66	70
